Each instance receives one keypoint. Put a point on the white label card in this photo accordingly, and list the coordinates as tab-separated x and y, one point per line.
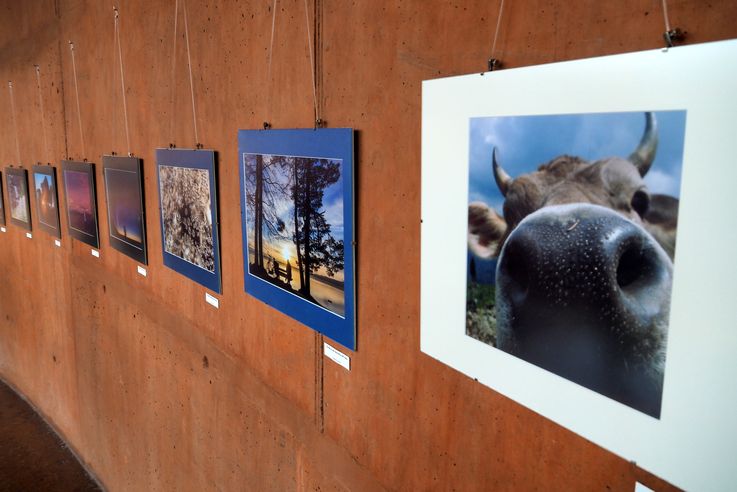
212	300
142	271
2	229
29	235
337	356
57	243
95	253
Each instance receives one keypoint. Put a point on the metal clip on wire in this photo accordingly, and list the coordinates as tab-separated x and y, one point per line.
673	35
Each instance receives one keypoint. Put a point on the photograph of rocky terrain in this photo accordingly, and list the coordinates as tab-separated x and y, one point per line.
186	214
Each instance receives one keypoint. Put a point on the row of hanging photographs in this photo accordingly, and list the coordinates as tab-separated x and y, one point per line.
296	193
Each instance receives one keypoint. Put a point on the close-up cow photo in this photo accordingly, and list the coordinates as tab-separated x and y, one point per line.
571	241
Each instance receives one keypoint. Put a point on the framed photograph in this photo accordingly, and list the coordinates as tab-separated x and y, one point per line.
297	206
189	214
125	210
550	267
2	202
81	201
47	199
16	179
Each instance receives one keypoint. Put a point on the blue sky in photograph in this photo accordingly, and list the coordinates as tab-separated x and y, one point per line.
525	142
40	178
332	202
284	207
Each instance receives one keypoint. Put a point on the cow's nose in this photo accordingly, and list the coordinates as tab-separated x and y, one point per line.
585	258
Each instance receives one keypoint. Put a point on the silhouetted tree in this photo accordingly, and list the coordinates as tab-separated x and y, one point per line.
263	189
316	246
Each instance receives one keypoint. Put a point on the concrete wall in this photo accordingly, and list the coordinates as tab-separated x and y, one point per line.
157	390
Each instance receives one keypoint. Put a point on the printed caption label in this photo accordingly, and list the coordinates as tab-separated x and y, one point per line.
336	356
141	271
2	229
212	300
57	243
29	235
95	253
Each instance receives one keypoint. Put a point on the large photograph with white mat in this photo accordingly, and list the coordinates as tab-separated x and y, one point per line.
576	245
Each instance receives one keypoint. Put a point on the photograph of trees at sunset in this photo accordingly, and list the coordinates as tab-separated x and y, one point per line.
294	223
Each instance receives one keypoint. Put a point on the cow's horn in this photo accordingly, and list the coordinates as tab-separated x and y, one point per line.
644	155
502	179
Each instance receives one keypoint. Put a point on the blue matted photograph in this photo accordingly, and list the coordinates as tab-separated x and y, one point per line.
297	216
187	181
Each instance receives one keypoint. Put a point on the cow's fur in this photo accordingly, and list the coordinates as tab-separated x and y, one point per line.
612	183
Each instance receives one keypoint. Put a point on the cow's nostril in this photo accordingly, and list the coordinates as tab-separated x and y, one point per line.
517	272
634	266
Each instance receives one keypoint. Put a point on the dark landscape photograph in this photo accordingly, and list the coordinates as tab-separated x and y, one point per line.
2	203
124	206
80	204
18	197
186	213
294	219
46	205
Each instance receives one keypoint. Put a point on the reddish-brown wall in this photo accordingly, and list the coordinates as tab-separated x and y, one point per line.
157	390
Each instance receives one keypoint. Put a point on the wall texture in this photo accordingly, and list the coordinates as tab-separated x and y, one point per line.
155	389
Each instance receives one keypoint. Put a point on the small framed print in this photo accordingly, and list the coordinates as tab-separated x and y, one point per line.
187	181
2	202
16	179
46	199
78	179
125	209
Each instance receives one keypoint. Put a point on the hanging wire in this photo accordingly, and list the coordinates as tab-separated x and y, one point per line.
318	121
15	123
41	108
114	99
122	79
671	34
173	74
665	15
191	83
76	90
494	62
268	72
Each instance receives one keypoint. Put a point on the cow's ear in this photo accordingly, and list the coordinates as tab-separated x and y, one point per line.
485	229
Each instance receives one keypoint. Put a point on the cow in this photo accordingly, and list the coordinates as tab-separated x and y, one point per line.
584	270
